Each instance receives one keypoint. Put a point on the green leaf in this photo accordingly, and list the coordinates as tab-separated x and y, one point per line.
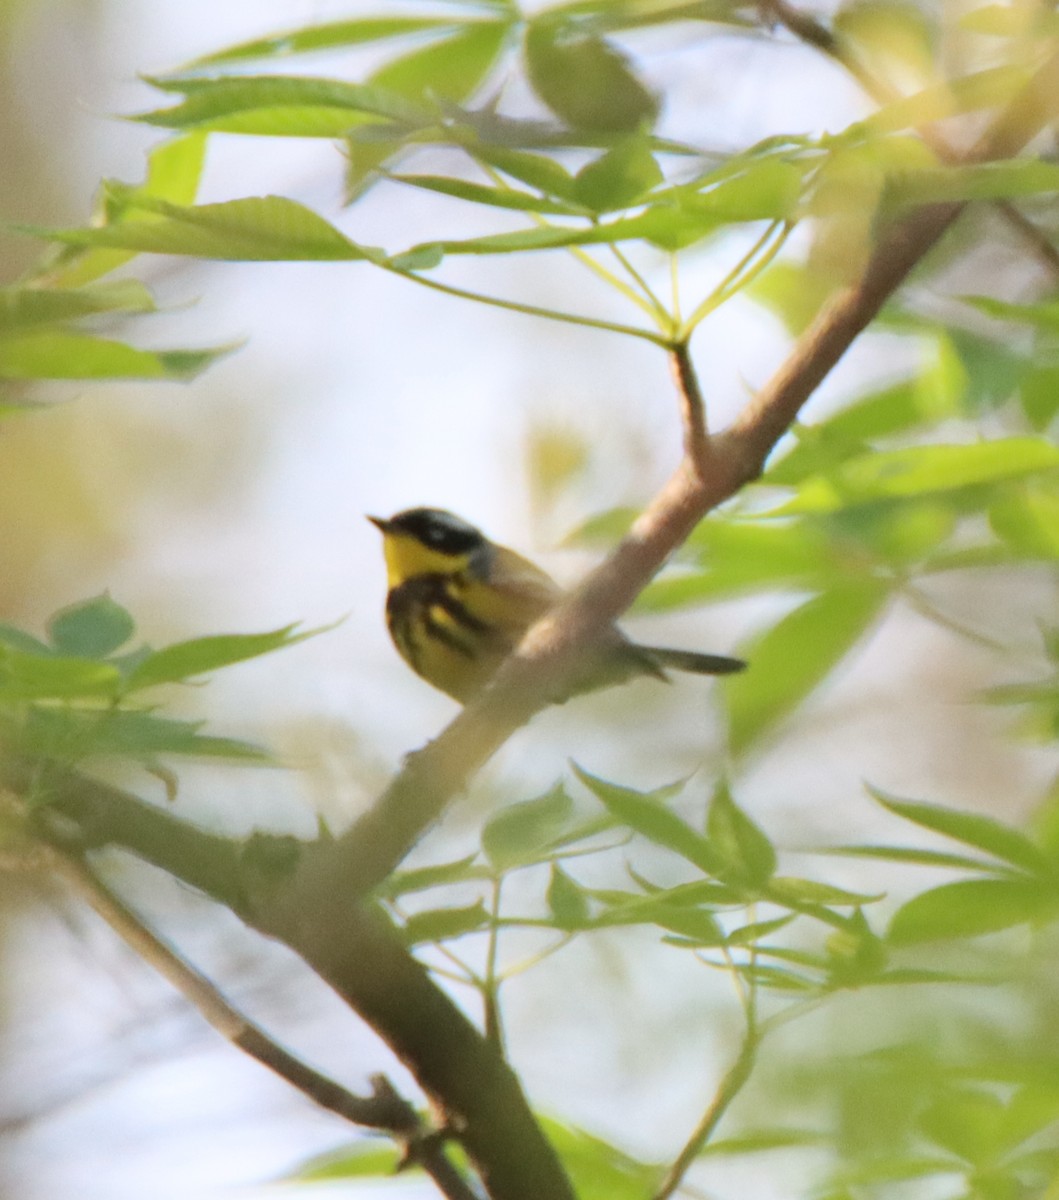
76	734
259	228
973	829
282	106
91	628
174	169
966	1123
441	924
1043	315
30	676
979	181
970	908
567	903
739	556
756	1140
535	170
748	935
923	470
1039	393
650	818
199	656
47	354
451	69
18	639
747	854
585	80
519	833
793	657
619	178
419	879
313	38
1028	521
366	1159
598	1170
785	889
24	307
495	197
909	854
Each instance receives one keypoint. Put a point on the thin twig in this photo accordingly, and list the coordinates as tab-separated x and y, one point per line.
692	406
494	1028
384	1109
531	310
731	1085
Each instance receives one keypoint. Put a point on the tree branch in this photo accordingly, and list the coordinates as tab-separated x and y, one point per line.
383	1109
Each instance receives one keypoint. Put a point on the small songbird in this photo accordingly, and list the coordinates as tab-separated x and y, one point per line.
458	604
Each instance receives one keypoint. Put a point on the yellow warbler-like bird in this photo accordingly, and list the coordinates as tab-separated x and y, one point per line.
458	604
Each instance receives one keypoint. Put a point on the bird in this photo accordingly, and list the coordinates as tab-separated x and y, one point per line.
457	604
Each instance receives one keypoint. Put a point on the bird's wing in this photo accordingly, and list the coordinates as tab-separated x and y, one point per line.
517	592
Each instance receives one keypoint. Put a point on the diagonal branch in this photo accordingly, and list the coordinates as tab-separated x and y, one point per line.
383	1109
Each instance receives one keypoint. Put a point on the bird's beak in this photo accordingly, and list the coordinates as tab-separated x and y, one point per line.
380	523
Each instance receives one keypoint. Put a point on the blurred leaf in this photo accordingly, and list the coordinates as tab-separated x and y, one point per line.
979	181
370	1158
966	1123
973	829
567	903
419	879
619	178
261	228
598	1170
1028	521
784	889
970	908
909	854
796	655
199	656
30	676
23	307
441	924
452	68
535	170
281	106
747	854
18	639
1039	393
923	470
1043	314
977	90
794	292
748	935
739	556
91	628
586	81
56	354
174	169
519	832
495	197
312	38
76	734
650	818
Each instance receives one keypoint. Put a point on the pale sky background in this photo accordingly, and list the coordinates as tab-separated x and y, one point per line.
239	502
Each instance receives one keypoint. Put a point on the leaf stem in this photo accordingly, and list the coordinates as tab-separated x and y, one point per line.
740	275
531	310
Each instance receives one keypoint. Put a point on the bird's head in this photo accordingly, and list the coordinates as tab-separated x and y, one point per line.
429	541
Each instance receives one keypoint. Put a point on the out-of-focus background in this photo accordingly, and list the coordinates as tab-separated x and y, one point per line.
237	503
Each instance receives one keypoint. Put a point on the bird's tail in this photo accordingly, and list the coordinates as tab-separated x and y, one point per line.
690	660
